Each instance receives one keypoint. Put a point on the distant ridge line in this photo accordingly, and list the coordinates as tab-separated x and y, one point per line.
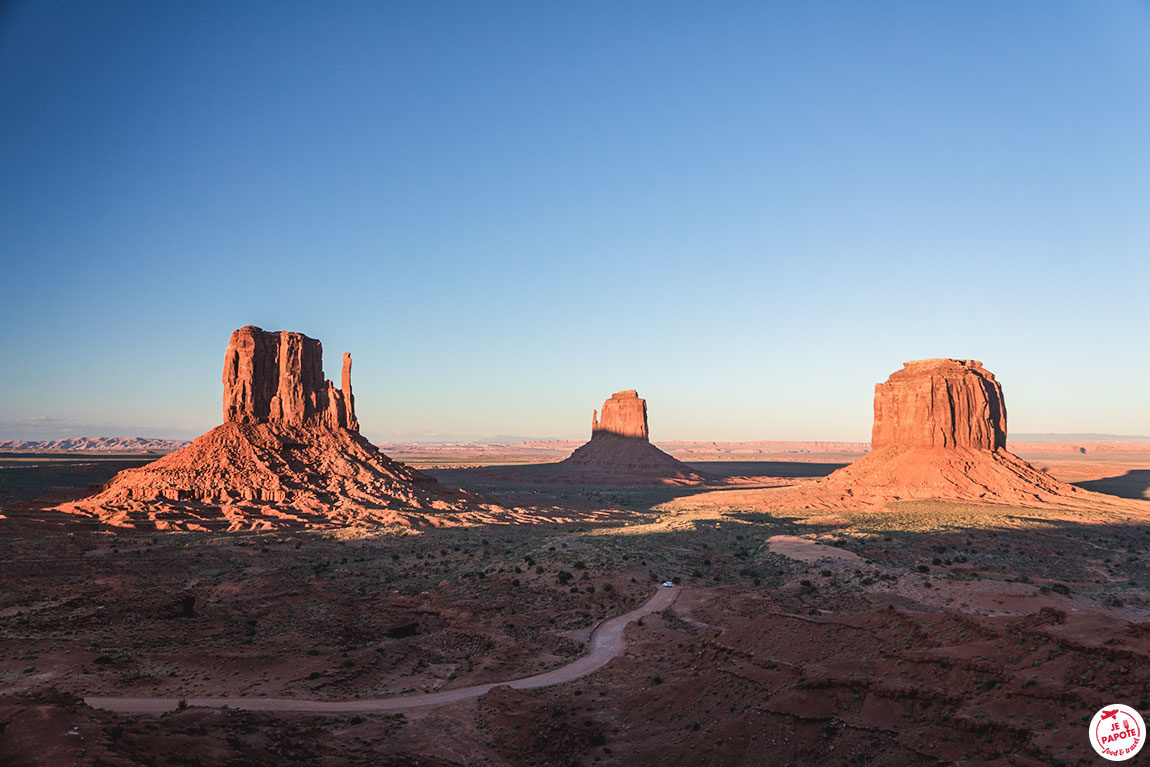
94	444
156	444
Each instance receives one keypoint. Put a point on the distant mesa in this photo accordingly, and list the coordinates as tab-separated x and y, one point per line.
624	414
940	432
619	454
288	454
619	451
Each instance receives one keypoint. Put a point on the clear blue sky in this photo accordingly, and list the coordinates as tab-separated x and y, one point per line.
750	212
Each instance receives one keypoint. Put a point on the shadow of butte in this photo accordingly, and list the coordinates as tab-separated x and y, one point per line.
1133	484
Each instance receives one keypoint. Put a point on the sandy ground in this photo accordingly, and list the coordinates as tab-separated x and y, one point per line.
919	633
806	550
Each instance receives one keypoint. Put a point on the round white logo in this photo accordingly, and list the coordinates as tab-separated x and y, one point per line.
1117	732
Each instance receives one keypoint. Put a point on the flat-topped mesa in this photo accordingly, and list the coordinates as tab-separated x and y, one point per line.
624	414
277	377
940	403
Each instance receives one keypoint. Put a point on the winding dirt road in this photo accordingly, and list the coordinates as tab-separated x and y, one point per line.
606	643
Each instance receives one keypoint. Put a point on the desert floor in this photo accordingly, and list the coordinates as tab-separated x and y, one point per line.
921	633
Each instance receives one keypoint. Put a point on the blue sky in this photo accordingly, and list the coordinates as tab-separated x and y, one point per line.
750	212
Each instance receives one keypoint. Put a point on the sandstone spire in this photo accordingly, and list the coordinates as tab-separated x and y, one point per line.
348	398
940	403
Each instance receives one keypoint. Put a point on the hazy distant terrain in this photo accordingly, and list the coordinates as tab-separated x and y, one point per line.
455	453
1055	437
108	444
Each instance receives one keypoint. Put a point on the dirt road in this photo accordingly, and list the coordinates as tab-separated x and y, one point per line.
606	643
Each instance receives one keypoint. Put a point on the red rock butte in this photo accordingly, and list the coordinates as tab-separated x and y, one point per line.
288	454
940	432
940	403
624	414
277	377
620	452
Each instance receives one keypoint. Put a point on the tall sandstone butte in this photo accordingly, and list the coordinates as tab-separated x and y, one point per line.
940	403
624	414
288	453
277	377
940	432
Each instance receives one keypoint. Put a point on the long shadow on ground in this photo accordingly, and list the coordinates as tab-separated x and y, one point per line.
1133	484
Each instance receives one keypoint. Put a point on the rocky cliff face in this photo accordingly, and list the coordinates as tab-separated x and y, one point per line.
277	377
940	403
624	414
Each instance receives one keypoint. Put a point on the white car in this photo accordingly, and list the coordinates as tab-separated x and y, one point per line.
668	585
